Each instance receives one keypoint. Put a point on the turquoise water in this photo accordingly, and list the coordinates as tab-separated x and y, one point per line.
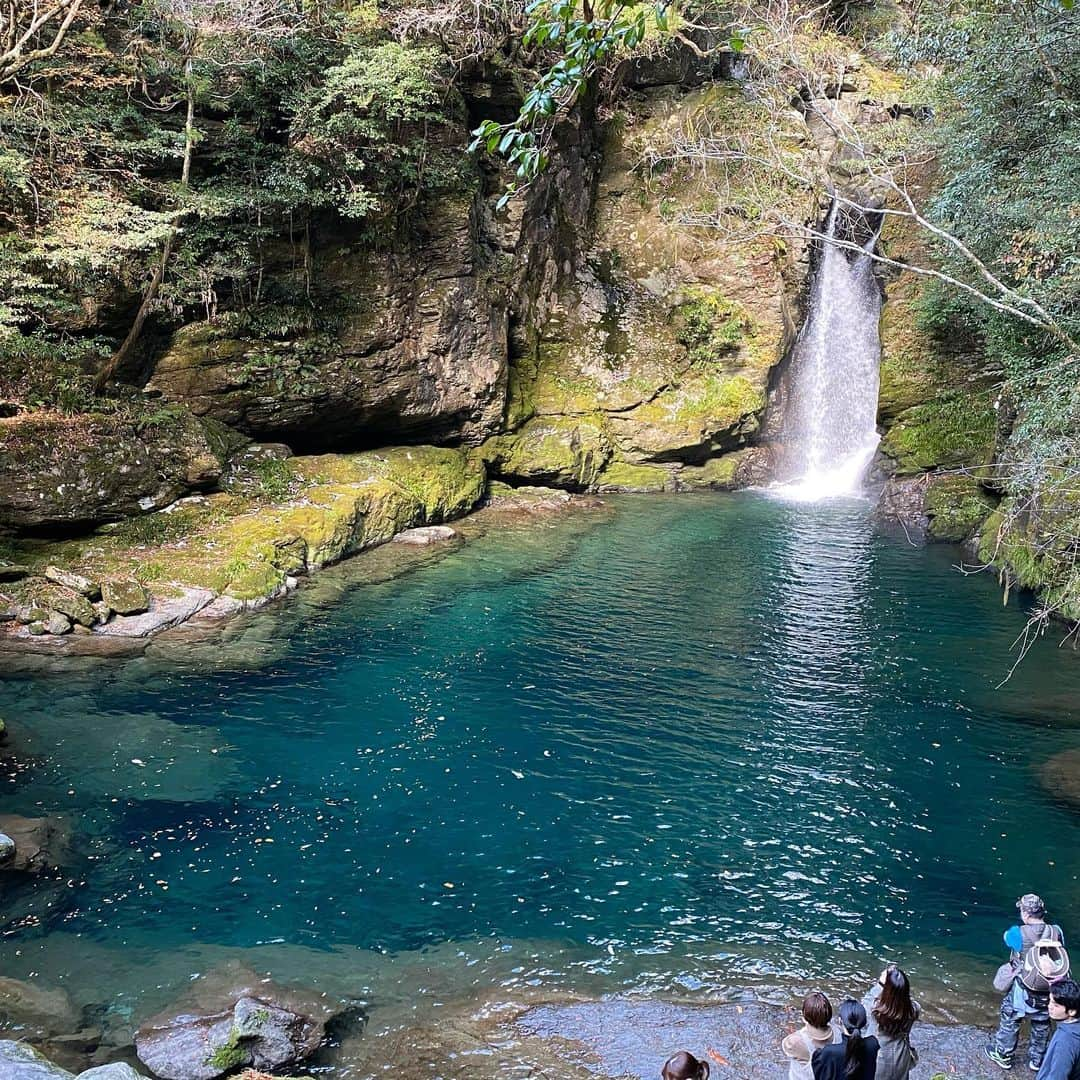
683	743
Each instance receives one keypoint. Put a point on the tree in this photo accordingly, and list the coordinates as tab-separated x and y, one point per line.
31	31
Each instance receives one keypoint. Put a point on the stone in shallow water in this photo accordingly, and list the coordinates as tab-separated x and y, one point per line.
428	534
116	1071
40	843
35	1010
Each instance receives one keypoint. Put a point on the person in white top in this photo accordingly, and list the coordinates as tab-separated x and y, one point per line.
818	1031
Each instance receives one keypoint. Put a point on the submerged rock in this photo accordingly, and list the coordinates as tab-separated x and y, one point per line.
1060	777
428	534
34	1010
41	844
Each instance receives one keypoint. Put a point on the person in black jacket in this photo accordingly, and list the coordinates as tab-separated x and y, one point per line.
855	1056
1062	1060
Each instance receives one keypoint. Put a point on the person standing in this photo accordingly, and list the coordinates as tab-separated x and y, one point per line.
1020	1001
817	1031
855	1056
892	1013
1062	1060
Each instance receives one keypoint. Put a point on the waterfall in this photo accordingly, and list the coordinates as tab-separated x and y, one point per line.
831	424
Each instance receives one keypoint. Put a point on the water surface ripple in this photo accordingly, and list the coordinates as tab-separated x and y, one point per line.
701	742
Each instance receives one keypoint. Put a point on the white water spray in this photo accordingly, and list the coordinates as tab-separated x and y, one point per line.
832	419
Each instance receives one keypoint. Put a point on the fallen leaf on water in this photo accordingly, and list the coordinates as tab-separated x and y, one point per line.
717	1057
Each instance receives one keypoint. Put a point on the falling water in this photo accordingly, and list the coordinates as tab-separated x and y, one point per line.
831	432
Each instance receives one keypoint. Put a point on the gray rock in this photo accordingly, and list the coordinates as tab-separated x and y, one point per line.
37	628
163	613
7	848
428	534
40	843
116	1071
31	614
274	1036
72	604
58	623
125	596
19	1062
75	582
103	612
187	1047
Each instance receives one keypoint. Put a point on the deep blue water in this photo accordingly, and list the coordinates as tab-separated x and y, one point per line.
691	741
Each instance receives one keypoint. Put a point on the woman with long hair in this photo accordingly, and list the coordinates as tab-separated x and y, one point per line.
855	1056
893	1012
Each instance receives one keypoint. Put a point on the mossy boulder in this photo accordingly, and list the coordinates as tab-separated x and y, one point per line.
563	451
125	596
957	430
738	469
708	411
71	472
956	506
622	476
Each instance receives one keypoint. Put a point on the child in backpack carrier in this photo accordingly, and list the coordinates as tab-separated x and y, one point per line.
1037	960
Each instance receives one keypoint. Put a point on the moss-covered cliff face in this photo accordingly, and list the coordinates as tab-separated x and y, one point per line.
657	356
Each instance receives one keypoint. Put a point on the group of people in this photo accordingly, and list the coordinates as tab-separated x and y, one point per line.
871	1039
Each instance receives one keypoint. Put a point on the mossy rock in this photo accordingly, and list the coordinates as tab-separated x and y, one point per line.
560	451
710	325
622	476
957	506
725	473
955	431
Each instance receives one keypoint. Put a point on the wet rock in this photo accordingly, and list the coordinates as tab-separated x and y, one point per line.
163	612
76	582
7	849
125	596
430	534
19	1062
58	624
261	1024
634	1038
35	1010
40	843
903	502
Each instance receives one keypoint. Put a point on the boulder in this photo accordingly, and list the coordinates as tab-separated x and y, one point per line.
426	535
7	848
76	582
40	843
125	596
116	1071
71	472
35	1010
19	1062
233	1019
13	571
72	604
58	623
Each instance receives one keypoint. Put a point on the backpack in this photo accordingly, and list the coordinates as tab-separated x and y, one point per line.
1044	960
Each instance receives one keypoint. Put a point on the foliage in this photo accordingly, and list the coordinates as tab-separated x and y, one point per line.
710	325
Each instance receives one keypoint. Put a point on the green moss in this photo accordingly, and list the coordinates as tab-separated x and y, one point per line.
722	473
563	451
955	431
230	1055
622	476
710	325
957	506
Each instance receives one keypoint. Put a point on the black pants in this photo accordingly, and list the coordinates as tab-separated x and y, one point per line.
1008	1033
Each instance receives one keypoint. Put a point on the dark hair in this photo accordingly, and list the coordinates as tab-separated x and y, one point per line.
894	1011
853	1017
684	1066
816	1010
1067	994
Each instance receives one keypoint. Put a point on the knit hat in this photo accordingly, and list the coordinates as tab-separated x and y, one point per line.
1030	904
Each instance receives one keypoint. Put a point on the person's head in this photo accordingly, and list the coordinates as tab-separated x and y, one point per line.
853	1019
894	1010
1065	1001
684	1066
816	1010
1031	907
